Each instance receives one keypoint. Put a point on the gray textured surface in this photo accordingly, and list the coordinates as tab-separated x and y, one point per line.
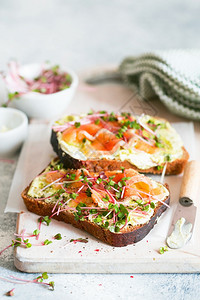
88	33
85	34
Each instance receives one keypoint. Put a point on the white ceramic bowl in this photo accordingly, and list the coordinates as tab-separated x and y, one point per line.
13	130
44	106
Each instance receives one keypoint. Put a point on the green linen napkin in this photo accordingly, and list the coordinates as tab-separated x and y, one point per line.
173	76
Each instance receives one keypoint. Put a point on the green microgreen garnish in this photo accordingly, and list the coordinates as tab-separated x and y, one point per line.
58	166
52	285
99	180
167	157
72	176
121	131
111	182
45	219
159	145
41	278
134	125
125	114
113	206
122	168
106	198
162	125
125	125
58	236
11	96
139	202
27	244
146	207
150	122
47	242
112	117
18	242
97	121
152	204
78	213
162	250
88	192
98	219
90	112
36	232
159	168
73	195
77	124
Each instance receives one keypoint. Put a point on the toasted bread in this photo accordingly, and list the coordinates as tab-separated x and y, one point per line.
117	207
103	141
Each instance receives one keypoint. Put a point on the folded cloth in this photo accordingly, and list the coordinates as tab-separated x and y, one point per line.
173	76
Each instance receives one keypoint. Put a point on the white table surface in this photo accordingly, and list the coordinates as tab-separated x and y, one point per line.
84	34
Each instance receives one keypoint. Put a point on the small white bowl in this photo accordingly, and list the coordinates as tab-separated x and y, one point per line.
44	106
13	130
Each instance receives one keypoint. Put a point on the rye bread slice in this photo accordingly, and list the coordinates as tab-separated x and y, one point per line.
129	235
173	168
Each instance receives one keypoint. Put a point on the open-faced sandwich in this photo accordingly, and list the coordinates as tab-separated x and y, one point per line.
107	141
118	207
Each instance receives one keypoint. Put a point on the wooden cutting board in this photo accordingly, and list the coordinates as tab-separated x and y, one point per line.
94	256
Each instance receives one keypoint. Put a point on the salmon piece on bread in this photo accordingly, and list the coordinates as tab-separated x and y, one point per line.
118	207
109	141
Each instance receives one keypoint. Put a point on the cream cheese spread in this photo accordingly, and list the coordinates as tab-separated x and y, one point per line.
180	235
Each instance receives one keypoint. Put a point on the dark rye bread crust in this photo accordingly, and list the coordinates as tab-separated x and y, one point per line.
131	235
173	168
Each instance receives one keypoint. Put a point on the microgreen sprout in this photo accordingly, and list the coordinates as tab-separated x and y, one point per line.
58	236
106	198
167	157
159	168
77	124
88	192
102	112
73	176
18	242
42	277
45	219
73	195
58	166
47	242
122	168
162	250
97	121
36	232
39	280
152	204
159	145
